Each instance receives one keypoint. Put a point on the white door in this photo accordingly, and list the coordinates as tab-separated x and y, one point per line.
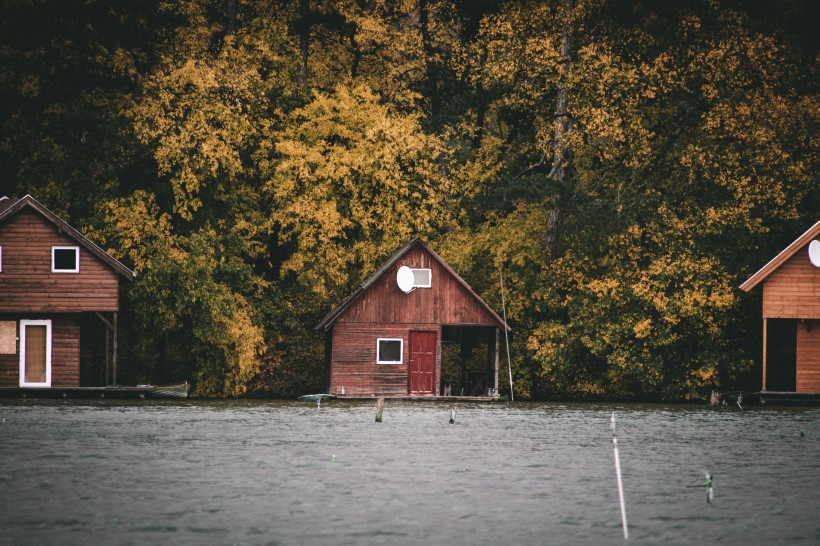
35	353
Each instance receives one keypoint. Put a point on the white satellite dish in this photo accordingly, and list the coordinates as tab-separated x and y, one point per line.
405	279
814	253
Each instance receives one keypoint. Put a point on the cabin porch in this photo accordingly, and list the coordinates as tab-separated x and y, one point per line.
469	361
62	350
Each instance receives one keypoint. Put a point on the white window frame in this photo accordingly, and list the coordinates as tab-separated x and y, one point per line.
401	350
23	324
1	258
76	250
429	276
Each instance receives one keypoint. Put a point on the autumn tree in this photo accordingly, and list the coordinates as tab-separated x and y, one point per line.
680	117
625	165
351	181
206	112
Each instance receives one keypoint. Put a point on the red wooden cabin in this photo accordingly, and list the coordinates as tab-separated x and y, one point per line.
413	328
55	286
791	315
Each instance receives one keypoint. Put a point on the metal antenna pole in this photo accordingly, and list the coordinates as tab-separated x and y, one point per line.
618	477
506	335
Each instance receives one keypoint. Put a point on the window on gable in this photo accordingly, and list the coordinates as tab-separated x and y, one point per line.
422	278
389	350
65	259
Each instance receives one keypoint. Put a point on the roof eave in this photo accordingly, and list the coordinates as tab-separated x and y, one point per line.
30	201
327	323
778	260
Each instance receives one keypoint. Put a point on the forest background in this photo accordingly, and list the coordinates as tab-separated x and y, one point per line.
627	164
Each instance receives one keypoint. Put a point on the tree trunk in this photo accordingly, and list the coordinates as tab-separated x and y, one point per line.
304	38
561	150
429	59
357	53
230	9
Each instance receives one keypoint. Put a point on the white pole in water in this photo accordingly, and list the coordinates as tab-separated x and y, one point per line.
506	335
618	475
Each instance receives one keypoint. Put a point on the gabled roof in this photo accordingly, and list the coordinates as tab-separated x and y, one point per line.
328	321
778	260
10	207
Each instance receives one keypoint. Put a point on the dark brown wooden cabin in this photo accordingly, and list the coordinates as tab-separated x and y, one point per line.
438	338
56	287
791	304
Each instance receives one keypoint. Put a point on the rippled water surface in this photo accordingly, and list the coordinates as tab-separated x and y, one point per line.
252	472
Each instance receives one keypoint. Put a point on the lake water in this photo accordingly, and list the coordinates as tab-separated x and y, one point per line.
260	472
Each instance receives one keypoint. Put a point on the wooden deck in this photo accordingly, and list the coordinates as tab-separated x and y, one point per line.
789	398
118	393
428	398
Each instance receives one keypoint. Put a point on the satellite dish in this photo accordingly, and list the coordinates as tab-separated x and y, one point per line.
405	279
814	253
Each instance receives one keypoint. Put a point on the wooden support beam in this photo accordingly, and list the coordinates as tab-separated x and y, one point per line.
104	320
495	375
763	388
107	357
114	355
463	357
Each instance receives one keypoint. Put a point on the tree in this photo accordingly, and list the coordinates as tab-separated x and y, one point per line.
190	317
351	181
680	118
68	70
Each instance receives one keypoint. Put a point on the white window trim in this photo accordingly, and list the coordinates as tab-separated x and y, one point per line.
77	251
401	350
1	258
429	276
23	324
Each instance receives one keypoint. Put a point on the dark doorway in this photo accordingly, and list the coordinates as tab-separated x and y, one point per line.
781	355
467	360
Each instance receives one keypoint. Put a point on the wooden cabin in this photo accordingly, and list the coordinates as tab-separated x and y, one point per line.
413	328
59	296
791	316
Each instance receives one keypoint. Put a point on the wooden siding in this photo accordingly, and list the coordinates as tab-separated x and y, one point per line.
27	284
446	302
793	290
808	356
65	353
353	360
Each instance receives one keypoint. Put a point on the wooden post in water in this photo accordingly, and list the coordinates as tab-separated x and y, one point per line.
379	409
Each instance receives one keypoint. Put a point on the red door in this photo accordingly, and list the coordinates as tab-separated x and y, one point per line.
422	363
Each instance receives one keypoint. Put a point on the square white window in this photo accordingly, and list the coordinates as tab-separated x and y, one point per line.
65	259
422	278
389	350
